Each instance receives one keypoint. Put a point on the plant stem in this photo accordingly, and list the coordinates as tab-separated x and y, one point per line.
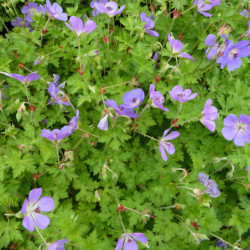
147	136
168	32
4	116
109	52
57	152
4	25
44	29
72	106
231	245
147	106
188	9
187	121
26	90
79	53
89	133
179	110
166	207
41	235
116	85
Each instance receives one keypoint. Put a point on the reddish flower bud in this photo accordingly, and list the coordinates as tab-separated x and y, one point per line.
195	225
129	48
157	79
134	127
102	90
121	208
111	30
20	65
105	39
176	13
44	31
61	47
152	7
32	108
16	55
36	176
180	36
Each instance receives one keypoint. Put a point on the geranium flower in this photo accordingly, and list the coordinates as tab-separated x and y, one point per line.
167	146
108	8
210	113
122	109
73	123
133	98
211	186
20	22
95	11
149	25
221	244
237	129
31	9
32	208
57	95
58	245
217	49
233	53
23	79
180	95
127	241
157	98
78	27
103	123
205	5
176	47
56	135
55	11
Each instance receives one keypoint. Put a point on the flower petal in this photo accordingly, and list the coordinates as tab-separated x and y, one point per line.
45	204
169	147
239	139
28	223
139	237
41	220
163	153
119	243
230	120
152	33
229	133
34	195
210	40
25	207
172	135
130	244
186	55
176	46
89	26
76	24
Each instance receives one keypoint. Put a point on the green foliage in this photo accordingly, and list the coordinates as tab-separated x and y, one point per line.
104	178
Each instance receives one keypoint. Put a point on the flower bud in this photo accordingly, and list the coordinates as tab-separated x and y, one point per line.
198	192
92	53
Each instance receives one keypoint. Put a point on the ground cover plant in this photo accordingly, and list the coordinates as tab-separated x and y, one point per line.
124	125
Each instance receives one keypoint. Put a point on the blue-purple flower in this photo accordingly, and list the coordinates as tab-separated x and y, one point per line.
211	186
56	135
205	5
237	129
103	123
76	25
55	11
57	245
221	244
20	22
233	54
108	8
157	98
1	91
32	208
176	48
127	241
180	95
95	11
133	98
149	25
244	13
166	146
217	47
57	95
23	79
122	109
210	113
31	9
73	123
